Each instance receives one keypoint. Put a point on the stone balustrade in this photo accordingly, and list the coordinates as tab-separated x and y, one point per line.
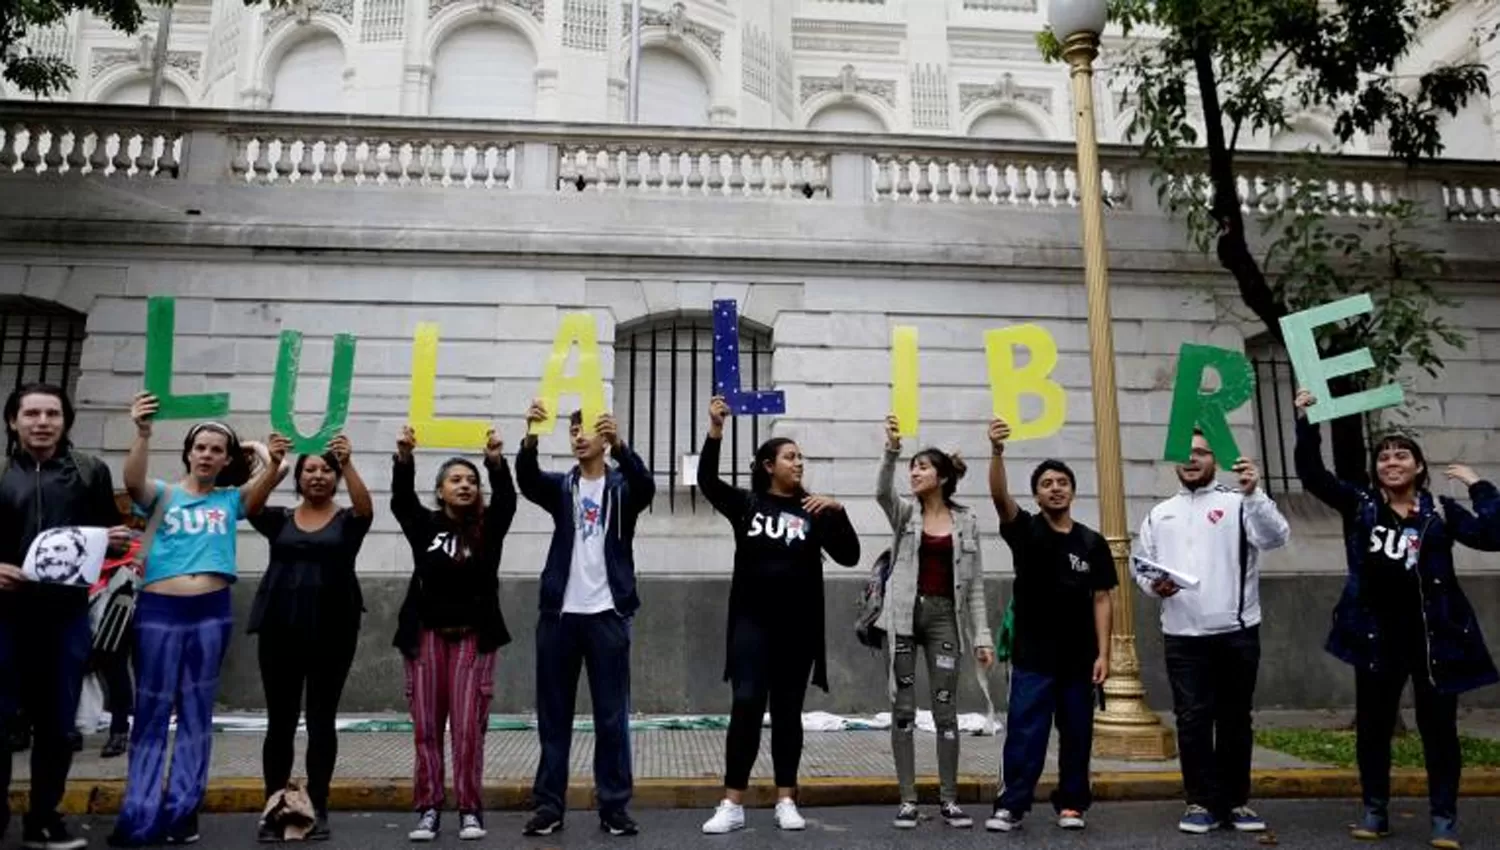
77	141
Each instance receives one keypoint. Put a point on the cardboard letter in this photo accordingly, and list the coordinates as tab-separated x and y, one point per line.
904	395
431	431
284	392
727	367
161	325
1193	408
1314	372
588	383
1008	384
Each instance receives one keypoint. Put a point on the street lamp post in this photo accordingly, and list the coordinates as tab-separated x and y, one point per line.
1126	728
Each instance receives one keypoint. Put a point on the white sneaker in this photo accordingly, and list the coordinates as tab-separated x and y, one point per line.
787	816
728	818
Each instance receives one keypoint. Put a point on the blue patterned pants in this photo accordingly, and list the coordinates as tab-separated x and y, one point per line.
180	643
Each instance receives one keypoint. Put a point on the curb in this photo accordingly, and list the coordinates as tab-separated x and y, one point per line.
247	795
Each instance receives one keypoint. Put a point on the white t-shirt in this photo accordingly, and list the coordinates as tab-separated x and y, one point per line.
588	580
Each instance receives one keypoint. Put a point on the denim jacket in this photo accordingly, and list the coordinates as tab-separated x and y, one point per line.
1457	658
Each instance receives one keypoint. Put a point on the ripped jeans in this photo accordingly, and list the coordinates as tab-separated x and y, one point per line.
935	630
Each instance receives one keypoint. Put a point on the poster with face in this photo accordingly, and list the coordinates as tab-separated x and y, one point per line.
67	555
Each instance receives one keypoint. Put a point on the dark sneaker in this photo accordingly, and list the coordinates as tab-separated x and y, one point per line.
428	824
1444	833
267	834
52	836
471	826
955	817
1002	820
618	824
906	816
116	746
320	830
1246	819
1374	824
543	823
1197	821
185	832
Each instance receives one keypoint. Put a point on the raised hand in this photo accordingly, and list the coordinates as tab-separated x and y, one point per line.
537	412
406	443
1462	474
999	433
142	410
606	427
892	433
718	412
341	450
1302	401
494	447
277	446
1249	475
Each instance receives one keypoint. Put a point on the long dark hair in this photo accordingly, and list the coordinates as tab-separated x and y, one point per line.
13	408
760	477
470	522
1397	440
237	472
950	469
328	458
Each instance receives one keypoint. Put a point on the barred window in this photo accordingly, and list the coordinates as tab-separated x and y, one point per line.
663	383
39	341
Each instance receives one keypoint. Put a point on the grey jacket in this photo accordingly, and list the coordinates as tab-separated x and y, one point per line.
901	588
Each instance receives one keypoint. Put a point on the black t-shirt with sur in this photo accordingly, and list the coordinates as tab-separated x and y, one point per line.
1057	575
1392	586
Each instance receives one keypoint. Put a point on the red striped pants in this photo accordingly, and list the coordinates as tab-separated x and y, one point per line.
450	684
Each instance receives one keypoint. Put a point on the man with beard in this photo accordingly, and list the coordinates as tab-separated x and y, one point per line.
44	628
1212	630
1064	574
60	555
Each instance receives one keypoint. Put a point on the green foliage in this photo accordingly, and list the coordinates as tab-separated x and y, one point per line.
1337	748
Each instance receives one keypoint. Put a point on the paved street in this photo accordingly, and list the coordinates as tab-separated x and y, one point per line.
1126	826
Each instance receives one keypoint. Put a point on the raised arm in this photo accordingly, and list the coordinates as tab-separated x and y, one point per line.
257	491
360	501
1481	529
502	506
1265	527
897	511
139	459
726	499
540	488
405	506
1005	506
639	483
1308	456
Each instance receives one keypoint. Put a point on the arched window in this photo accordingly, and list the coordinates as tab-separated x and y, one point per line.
310	76
846	118
139	92
673	90
39	341
664	379
1004	124
484	70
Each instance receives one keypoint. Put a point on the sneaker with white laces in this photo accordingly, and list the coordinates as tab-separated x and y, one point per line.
1197	821
1071	819
906	816
728	817
471	826
1002	820
1245	819
427	826
787	816
955	817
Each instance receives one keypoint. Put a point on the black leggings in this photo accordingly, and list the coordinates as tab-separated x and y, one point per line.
765	665
322	661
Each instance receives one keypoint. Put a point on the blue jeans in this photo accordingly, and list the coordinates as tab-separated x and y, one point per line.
42	659
1036	700
564	646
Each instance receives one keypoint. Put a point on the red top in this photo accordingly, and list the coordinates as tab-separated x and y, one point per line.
935	566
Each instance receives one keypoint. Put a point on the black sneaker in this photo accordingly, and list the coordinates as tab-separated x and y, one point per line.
116	746
955	817
320	830
429	822
618	823
470	826
52	836
185	832
267	834
543	823
906	816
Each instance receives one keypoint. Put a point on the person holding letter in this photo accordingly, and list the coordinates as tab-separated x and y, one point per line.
934	599
183	620
588	602
775	637
450	625
1064	574
1212	631
45	639
1402	613
306	615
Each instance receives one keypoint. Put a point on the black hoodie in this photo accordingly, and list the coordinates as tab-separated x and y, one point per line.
69	488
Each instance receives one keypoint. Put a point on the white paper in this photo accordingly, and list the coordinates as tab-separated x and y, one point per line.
68	555
690	470
1153	570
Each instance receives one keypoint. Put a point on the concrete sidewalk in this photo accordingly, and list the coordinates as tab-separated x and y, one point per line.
684	768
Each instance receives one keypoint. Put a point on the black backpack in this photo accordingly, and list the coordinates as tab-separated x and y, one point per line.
870	603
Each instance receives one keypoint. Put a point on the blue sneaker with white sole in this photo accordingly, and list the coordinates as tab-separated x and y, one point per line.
1245	819
1198	821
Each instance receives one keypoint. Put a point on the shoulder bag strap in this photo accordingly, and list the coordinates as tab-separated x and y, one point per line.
149	535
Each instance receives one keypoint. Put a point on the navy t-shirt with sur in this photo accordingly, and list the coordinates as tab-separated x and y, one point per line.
1057	575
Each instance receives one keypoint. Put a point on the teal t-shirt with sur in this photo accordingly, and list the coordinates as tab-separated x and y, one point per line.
197	533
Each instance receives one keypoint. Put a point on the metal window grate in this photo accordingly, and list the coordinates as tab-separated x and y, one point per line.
1275	419
39	341
664	374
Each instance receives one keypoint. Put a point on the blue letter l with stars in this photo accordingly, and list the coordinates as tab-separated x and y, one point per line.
727	367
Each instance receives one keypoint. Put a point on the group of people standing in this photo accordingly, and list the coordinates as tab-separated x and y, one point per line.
1402	615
